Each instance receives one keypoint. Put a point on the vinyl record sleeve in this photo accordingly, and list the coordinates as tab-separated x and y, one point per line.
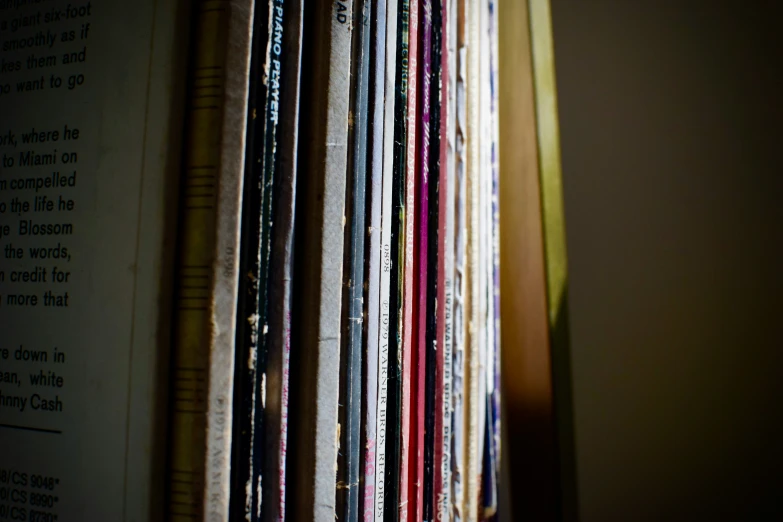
315	343
491	467
410	304
459	434
483	244
350	454
439	494
444	498
372	341
225	266
435	282
248	441
421	277
397	255
493	37
281	301
473	287
387	413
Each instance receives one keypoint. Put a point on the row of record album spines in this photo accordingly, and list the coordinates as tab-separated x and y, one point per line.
416	358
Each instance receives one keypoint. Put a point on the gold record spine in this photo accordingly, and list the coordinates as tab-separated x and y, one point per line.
194	271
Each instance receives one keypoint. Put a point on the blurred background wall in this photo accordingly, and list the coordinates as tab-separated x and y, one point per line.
672	152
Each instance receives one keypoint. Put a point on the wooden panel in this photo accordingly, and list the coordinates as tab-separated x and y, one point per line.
553	216
527	373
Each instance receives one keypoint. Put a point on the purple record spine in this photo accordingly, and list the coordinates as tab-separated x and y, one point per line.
416	496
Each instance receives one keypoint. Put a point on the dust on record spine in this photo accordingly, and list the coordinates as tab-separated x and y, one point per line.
409	304
247	338
281	270
386	328
315	344
350	454
260	179
372	360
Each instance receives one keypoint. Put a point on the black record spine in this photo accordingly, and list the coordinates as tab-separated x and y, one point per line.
432	260
394	403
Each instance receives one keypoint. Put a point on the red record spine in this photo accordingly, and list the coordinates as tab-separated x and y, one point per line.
410	319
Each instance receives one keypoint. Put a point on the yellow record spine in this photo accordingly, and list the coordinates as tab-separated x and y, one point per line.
194	275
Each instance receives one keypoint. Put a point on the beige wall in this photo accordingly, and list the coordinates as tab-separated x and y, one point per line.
672	150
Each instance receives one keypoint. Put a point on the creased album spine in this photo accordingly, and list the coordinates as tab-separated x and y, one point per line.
459	434
384	339
442	422
350	454
225	265
372	363
409	318
472	308
281	273
323	158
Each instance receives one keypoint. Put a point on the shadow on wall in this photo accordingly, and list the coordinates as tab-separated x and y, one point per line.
539	475
568	498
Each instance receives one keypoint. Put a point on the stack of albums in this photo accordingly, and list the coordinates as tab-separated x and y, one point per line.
265	234
366	375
